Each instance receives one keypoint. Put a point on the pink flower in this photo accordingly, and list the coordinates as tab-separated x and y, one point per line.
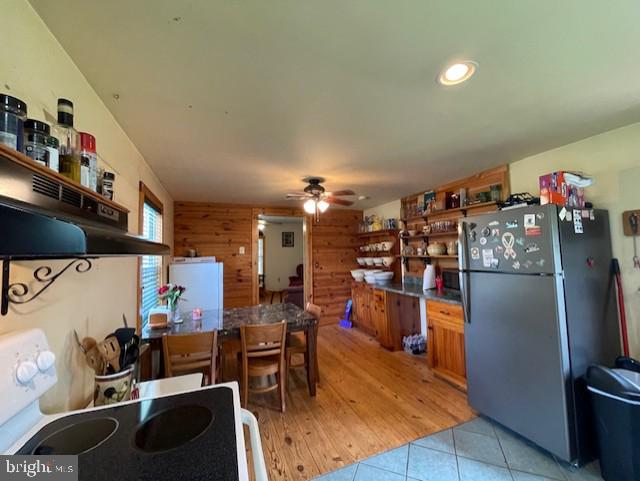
163	289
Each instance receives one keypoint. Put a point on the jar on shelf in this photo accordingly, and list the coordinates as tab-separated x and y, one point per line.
88	161
108	180
69	143
54	154
36	134
13	113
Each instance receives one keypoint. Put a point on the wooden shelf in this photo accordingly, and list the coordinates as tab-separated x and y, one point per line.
379	233
440	213
428	257
443	234
376	253
417	236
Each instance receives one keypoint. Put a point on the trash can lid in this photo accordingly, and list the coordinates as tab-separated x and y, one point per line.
619	384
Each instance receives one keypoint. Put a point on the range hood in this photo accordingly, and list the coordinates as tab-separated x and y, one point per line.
45	215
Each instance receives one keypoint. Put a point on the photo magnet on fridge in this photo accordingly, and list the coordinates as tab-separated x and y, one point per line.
475	253
530	227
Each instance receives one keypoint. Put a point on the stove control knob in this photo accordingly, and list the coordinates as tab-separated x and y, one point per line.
26	371
45	360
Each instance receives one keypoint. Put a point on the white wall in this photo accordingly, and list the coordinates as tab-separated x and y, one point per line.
35	68
280	262
613	158
390	210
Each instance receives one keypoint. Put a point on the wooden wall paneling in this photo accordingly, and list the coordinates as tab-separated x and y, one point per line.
219	230
334	247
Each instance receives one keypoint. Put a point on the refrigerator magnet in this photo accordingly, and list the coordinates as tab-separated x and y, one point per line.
475	253
527	264
483	241
540	263
487	257
495	232
499	250
530	227
562	214
531	248
494	223
520	241
512	224
516	265
577	222
508	240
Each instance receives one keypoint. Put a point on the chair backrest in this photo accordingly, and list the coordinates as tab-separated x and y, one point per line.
314	309
300	271
184	353
263	339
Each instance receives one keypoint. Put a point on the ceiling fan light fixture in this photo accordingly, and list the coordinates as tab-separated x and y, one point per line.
310	206
323	205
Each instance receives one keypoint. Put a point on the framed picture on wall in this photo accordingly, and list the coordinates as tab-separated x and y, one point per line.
287	239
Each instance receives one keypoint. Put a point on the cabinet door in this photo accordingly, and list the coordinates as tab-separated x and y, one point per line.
446	342
380	322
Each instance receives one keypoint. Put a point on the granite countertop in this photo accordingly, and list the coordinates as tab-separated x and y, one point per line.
449	296
228	321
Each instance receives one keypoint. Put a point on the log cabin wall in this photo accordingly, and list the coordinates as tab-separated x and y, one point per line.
220	230
334	248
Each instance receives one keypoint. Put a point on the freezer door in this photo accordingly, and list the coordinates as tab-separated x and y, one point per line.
523	240
203	281
517	357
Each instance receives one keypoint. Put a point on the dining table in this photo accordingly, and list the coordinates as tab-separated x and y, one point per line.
228	322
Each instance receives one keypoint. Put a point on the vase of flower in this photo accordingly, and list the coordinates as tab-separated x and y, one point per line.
171	294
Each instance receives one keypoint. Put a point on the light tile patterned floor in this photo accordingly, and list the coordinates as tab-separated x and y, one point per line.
479	450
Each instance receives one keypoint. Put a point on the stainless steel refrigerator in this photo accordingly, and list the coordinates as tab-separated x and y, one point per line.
539	309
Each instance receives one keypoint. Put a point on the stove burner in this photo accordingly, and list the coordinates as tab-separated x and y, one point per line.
172	428
78	438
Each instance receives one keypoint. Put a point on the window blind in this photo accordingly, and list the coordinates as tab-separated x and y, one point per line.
150	266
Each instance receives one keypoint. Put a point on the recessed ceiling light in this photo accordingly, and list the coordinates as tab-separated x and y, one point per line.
457	73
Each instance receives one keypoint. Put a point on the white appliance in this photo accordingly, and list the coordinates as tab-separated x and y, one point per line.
203	278
29	372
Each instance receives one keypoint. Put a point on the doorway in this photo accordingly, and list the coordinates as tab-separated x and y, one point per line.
281	259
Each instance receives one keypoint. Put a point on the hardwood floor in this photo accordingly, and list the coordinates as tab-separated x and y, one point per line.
369	400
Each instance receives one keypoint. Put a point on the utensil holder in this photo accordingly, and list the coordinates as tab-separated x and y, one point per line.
113	388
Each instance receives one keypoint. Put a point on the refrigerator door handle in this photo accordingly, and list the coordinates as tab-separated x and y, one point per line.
463	275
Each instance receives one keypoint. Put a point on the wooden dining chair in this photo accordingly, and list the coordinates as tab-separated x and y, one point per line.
263	349
296	343
189	353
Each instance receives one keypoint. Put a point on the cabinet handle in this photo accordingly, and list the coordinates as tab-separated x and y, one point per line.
446	313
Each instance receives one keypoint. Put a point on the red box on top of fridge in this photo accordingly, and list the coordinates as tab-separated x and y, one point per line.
554	189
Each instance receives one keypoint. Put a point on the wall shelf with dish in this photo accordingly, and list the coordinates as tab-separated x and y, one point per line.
439	211
379	233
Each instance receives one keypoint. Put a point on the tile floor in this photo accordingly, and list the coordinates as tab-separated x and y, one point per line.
479	450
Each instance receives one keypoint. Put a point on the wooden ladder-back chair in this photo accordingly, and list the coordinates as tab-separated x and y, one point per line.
189	353
263	350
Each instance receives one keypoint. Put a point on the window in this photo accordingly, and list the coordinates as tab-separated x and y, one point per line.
150	266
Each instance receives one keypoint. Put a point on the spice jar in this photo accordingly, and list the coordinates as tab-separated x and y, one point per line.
54	154
69	142
108	179
35	141
13	113
88	161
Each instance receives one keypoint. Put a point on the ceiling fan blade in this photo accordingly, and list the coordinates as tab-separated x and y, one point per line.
336	201
297	195
343	192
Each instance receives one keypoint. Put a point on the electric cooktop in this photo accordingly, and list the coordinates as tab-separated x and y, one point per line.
188	436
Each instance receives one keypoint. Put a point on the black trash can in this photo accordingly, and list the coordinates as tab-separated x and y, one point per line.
615	397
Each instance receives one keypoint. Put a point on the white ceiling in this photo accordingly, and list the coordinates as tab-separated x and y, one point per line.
237	100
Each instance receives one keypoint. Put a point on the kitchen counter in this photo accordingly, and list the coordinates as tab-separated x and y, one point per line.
414	290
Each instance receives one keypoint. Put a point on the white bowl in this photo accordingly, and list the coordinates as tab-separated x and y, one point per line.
386	245
383	275
356	272
377	261
361	261
358	277
370	279
369	260
387	261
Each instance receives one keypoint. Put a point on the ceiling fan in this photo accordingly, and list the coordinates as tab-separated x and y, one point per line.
317	199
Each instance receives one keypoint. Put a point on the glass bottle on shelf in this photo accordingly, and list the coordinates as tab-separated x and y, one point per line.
68	138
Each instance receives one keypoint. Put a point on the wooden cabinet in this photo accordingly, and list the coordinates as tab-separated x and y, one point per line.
385	315
445	342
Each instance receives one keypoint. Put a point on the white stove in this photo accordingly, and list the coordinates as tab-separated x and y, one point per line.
176	429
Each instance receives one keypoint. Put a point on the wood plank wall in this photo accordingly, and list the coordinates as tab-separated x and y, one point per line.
334	247
220	230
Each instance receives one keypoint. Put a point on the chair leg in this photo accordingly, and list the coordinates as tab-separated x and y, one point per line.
282	388
287	366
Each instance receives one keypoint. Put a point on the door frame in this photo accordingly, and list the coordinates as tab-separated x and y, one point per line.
307	226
